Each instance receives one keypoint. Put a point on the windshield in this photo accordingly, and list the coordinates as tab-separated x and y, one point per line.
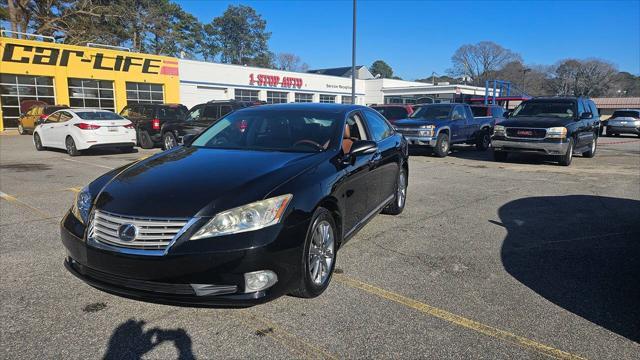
439	112
98	115
391	112
559	109
298	131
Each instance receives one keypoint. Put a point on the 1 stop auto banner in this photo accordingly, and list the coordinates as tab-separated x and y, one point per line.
275	81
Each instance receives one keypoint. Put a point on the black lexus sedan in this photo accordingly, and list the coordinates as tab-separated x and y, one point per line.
253	208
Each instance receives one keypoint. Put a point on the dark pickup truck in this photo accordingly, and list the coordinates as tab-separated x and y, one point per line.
441	125
557	126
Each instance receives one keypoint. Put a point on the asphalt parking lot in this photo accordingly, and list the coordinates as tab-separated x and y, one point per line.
523	259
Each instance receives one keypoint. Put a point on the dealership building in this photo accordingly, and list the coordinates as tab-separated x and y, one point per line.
98	77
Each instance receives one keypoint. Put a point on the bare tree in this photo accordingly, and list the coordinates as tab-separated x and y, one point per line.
582	77
480	61
290	62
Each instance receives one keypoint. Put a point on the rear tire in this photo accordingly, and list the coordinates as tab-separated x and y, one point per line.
397	205
484	140
37	142
144	140
442	145
169	141
565	160
500	156
314	256
70	145
592	151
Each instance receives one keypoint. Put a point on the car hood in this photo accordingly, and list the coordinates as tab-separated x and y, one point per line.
536	122
190	181
416	123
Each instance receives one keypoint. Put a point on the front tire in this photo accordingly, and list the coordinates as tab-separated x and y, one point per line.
442	145
70	145
38	142
484	141
21	129
565	160
397	205
318	255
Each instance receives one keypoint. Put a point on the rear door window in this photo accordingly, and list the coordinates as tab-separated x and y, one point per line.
378	126
225	109
479	111
211	113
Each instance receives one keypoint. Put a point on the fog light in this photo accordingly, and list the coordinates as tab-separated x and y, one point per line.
259	280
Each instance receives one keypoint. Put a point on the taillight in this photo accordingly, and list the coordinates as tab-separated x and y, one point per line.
85	126
44	117
155	124
129	126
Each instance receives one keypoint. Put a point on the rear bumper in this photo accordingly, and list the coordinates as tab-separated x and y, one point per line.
545	147
623	129
112	145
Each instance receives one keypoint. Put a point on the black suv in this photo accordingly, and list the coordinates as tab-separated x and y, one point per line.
150	121
558	126
199	118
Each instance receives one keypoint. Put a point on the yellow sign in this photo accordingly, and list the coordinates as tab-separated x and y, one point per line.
61	62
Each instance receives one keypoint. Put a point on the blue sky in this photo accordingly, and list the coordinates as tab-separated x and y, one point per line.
418	37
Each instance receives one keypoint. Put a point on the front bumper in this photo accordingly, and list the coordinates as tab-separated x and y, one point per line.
173	278
541	146
420	140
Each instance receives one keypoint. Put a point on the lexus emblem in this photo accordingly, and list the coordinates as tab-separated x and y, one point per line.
127	232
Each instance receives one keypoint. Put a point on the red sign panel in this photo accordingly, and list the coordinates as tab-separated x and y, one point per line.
275	81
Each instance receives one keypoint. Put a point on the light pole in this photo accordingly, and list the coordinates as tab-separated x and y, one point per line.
524	74
353	57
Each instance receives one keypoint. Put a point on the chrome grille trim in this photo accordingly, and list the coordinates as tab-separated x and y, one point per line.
153	233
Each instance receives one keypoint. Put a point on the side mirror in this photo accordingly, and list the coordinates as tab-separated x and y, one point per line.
363	147
586	115
188	139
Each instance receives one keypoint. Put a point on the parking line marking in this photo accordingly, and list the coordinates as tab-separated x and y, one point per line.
457	319
10	198
292	341
88	163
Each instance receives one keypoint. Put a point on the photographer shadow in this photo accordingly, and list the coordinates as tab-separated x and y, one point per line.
580	252
130	341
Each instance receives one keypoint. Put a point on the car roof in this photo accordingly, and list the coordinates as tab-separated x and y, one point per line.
392	105
85	109
328	107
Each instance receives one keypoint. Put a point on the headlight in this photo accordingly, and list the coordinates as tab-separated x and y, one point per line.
557	133
498	130
427	130
82	205
254	216
636	123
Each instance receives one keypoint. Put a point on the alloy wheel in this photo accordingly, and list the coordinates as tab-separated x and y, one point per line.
402	189
169	142
444	146
321	253
71	146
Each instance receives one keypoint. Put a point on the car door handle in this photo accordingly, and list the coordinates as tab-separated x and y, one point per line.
375	159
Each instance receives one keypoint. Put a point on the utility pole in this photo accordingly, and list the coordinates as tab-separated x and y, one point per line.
353	57
524	74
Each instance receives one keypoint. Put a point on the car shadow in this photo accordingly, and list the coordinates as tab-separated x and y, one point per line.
95	152
580	252
130	341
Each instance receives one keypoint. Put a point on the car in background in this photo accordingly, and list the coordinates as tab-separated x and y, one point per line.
493	111
150	121
32	111
255	207
557	126
624	121
438	126
394	112
199	118
75	130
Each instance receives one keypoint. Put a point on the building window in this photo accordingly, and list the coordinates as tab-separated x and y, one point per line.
90	93
347	100
143	93
327	98
276	97
14	89
246	95
302	98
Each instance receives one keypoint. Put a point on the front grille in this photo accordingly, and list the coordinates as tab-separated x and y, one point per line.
526	133
409	131
152	234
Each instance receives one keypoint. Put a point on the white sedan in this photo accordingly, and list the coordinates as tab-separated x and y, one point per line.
80	129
